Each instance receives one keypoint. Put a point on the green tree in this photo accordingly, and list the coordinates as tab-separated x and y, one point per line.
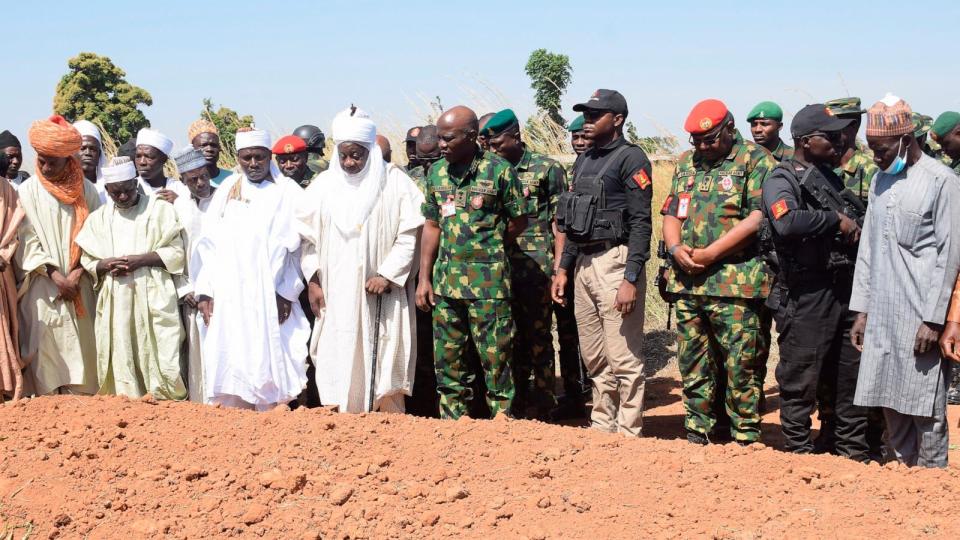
550	74
227	121
97	90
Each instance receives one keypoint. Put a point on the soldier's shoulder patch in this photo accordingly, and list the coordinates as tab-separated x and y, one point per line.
779	209
641	179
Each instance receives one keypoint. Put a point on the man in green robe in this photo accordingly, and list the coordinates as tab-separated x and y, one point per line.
134	252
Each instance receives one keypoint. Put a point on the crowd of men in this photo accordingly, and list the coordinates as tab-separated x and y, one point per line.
433	289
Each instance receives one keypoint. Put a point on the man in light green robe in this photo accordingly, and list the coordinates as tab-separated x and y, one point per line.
134	251
56	343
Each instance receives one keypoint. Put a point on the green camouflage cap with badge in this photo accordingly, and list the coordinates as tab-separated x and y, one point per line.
500	122
576	125
845	106
921	124
766	109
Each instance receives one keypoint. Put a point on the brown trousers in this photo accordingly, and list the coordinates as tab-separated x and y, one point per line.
610	344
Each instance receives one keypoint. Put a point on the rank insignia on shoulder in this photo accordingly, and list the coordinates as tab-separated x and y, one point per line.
641	179
779	209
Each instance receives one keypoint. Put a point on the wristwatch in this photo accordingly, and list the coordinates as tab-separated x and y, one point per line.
631	277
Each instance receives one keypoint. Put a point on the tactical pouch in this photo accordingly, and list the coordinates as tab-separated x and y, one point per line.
607	227
576	213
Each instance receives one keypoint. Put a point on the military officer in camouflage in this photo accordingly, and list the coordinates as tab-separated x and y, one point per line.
291	154
427	152
316	142
946	132
532	259
576	385
766	121
857	168
474	208
711	217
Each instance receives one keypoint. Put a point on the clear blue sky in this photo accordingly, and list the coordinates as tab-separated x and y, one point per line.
304	61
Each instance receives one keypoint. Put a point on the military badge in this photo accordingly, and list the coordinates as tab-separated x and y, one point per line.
476	202
526	191
683	206
641	179
288	148
666	204
726	183
706	124
779	209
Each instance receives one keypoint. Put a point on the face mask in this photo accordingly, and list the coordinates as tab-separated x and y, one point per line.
898	162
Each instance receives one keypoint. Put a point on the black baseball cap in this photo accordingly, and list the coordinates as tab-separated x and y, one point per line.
816	117
604	100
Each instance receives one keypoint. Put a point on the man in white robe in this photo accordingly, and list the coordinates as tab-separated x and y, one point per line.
153	149
195	175
133	250
358	256
255	348
56	305
92	156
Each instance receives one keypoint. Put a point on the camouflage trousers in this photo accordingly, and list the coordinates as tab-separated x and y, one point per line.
487	322
533	345
714	332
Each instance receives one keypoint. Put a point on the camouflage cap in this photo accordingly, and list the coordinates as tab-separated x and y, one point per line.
845	106
576	125
921	124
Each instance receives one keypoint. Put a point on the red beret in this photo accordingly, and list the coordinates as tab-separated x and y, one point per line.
705	116
291	144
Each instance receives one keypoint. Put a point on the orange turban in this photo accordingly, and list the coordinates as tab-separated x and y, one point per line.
54	137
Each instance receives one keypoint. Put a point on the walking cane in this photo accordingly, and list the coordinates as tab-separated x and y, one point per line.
375	353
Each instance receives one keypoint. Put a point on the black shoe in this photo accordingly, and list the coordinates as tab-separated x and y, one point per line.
744	443
694	437
568	408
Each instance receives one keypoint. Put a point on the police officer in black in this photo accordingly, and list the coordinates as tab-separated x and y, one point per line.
606	220
815	233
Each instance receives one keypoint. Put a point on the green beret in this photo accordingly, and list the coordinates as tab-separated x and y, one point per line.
945	123
766	109
500	122
845	106
921	124
576	125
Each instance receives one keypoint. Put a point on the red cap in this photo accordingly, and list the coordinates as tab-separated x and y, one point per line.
705	116
291	144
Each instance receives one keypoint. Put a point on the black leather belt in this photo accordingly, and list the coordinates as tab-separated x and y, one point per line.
592	249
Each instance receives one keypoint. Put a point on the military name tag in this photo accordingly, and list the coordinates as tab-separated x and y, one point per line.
683	205
448	208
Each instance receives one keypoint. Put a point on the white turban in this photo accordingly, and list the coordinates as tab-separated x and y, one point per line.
253	139
120	169
155	139
89	129
363	188
354	125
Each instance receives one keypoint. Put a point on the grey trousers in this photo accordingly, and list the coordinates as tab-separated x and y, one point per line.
918	440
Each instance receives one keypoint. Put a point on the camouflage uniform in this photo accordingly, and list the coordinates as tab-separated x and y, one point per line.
858	173
531	269
419	176
316	163
471	277
782	152
719	310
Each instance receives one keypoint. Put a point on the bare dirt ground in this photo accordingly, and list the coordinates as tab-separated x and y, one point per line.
114	468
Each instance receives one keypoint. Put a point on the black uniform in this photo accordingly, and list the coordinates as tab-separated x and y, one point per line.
812	316
621	192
